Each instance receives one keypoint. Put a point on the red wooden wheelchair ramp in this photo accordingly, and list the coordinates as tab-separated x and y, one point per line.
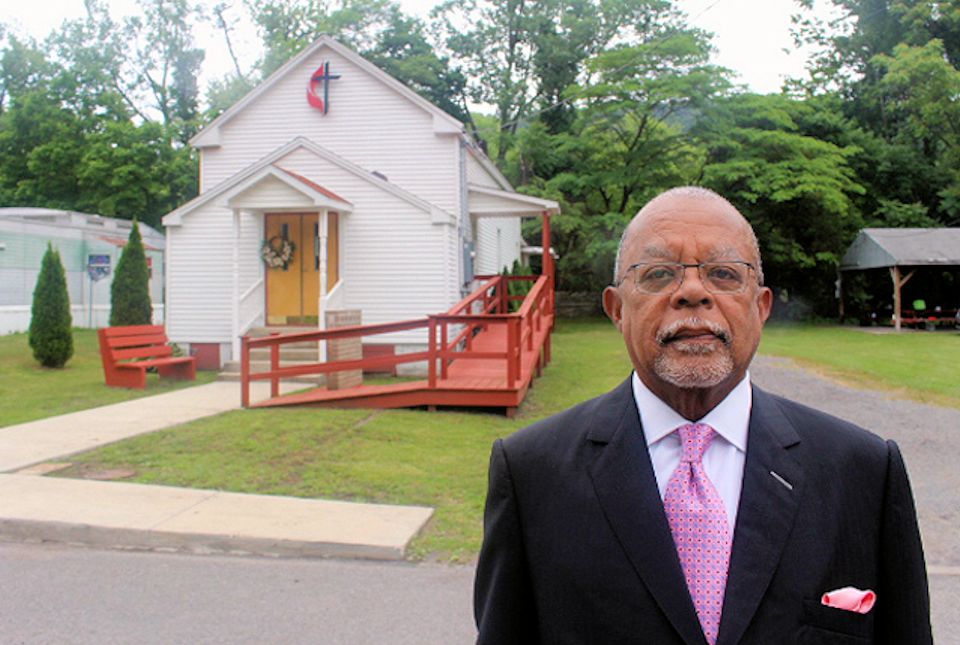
478	355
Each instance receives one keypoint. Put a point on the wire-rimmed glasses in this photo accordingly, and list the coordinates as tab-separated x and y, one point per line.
729	277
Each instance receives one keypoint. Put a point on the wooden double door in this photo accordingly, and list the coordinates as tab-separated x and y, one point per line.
293	291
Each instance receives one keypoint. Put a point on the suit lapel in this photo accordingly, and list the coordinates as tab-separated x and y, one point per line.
625	485
766	515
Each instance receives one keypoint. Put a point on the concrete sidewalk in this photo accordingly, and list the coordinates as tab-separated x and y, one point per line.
130	515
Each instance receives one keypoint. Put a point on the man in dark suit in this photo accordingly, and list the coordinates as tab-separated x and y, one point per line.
685	506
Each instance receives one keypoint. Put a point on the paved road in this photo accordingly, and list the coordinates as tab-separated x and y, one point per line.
77	596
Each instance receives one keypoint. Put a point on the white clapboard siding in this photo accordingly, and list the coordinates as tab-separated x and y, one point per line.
477	174
200	276
251	267
368	123
498	244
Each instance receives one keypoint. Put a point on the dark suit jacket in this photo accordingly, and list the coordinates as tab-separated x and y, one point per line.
577	548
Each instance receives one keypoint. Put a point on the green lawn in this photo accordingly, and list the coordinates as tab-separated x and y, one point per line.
439	459
435	459
924	366
28	391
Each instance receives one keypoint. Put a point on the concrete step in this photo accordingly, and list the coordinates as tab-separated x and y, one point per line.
284	329
259	332
231	371
298	354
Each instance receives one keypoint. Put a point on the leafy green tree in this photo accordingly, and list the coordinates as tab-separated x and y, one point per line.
798	191
128	169
891	62
629	140
40	147
23	66
130	291
50	336
921	88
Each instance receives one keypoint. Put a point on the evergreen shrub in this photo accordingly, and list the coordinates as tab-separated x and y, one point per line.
130	291
50	335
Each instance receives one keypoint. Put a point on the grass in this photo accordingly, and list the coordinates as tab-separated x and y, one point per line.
29	391
439	459
436	459
923	366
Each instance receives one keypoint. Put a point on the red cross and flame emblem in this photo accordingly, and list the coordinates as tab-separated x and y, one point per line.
320	80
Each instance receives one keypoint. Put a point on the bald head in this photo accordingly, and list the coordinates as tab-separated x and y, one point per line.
667	203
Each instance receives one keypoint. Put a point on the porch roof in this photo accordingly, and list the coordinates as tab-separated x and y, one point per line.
491	202
276	188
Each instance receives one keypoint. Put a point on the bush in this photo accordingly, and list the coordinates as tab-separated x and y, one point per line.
518	288
130	291
50	337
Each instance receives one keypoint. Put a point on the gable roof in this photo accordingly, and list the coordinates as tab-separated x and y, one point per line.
490	202
314	186
886	247
260	169
442	122
236	195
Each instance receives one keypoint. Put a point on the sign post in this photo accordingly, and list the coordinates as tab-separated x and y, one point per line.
98	268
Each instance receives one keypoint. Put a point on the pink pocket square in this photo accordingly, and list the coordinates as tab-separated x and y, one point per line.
850	599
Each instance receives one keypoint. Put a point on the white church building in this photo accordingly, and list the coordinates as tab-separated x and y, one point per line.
387	204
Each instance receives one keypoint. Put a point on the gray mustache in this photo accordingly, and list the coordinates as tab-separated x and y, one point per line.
668	333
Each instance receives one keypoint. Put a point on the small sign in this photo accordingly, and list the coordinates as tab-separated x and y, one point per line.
98	266
320	80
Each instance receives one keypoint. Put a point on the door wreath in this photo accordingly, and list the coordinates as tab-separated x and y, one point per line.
277	252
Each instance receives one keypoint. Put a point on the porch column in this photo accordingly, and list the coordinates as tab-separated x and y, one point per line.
322	295
235	278
548	268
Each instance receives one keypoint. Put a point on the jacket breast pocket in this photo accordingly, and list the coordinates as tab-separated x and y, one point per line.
822	625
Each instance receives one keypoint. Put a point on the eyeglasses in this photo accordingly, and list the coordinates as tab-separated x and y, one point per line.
717	277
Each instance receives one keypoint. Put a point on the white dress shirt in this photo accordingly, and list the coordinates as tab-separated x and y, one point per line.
723	460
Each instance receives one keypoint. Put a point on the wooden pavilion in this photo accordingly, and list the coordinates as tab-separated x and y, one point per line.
902	251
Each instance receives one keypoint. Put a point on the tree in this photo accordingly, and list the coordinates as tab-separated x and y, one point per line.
130	291
798	191
50	336
129	169
894	64
920	87
628	141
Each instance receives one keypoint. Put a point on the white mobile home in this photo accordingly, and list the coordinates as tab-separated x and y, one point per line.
89	247
333	186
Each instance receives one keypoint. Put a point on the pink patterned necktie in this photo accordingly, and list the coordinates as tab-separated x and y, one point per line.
698	521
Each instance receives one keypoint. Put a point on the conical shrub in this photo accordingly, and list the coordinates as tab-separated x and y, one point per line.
51	337
130	291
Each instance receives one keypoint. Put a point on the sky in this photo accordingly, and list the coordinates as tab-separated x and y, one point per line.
752	37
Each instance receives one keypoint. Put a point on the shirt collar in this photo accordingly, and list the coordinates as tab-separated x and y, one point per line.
730	419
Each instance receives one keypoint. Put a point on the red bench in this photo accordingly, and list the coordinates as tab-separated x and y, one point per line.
127	353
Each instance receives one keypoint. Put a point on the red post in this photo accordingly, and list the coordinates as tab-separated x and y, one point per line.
274	366
432	360
513	351
548	268
443	349
244	372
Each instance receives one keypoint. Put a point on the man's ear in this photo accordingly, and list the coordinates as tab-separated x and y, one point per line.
613	305
764	303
